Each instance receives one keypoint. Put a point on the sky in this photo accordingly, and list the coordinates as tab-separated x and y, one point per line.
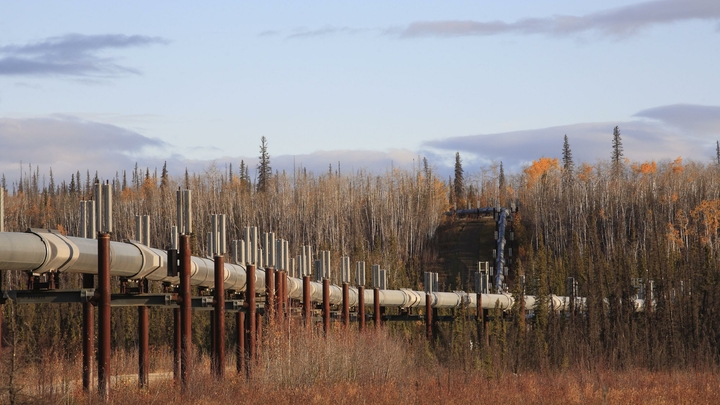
87	85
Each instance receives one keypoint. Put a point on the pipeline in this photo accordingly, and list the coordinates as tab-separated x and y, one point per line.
40	251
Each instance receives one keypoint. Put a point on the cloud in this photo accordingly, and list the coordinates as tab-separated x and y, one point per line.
671	132
71	55
694	120
68	144
324	31
616	22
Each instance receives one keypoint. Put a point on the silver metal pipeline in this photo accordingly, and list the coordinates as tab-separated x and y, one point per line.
40	251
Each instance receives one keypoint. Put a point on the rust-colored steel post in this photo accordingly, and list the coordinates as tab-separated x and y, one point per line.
480	317
270	293
428	317
376	308
307	309
240	346
144	346
258	338
250	319
486	327
278	295
177	339
88	281
326	305
219	324
346	304
103	314
185	311
361	308
286	296
211	314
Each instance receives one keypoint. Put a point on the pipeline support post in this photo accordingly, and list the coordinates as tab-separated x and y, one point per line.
346	304
143	343
376	308
88	281
326	305
103	314
177	344
240	345
219	324
185	311
270	292
307	310
250	319
428	317
278	296
361	308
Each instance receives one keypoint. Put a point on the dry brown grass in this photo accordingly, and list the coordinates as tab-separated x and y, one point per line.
301	367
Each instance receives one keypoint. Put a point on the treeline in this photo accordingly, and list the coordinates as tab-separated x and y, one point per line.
622	231
388	219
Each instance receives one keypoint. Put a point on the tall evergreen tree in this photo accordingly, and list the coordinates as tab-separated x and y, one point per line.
617	152
263	167
501	184
459	184
164	176
717	152
567	158
568	164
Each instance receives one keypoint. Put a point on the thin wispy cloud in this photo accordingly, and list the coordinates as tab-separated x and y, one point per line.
72	55
324	31
667	132
617	22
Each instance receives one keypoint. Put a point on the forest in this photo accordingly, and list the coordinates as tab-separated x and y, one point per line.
622	229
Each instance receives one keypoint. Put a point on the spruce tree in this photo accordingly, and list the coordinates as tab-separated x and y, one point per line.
617	152
459	184
717	152
263	167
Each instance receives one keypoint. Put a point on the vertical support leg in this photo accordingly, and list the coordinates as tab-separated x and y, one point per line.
104	314
219	324
144	343
428	317
251	315
278	295
326	305
346	304
177	347
361	308
285	295
185	311
240	347
88	281
376	308
307	310
270	293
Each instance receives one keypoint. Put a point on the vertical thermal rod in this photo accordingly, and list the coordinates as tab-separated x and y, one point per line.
104	314
346	304
185	311
361	308
219	343
326	305
143	340
88	334
251	315
376	308
307	310
270	292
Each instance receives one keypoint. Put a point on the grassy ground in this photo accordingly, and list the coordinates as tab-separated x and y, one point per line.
347	368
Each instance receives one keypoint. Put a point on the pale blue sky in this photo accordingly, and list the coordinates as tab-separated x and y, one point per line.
364	83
